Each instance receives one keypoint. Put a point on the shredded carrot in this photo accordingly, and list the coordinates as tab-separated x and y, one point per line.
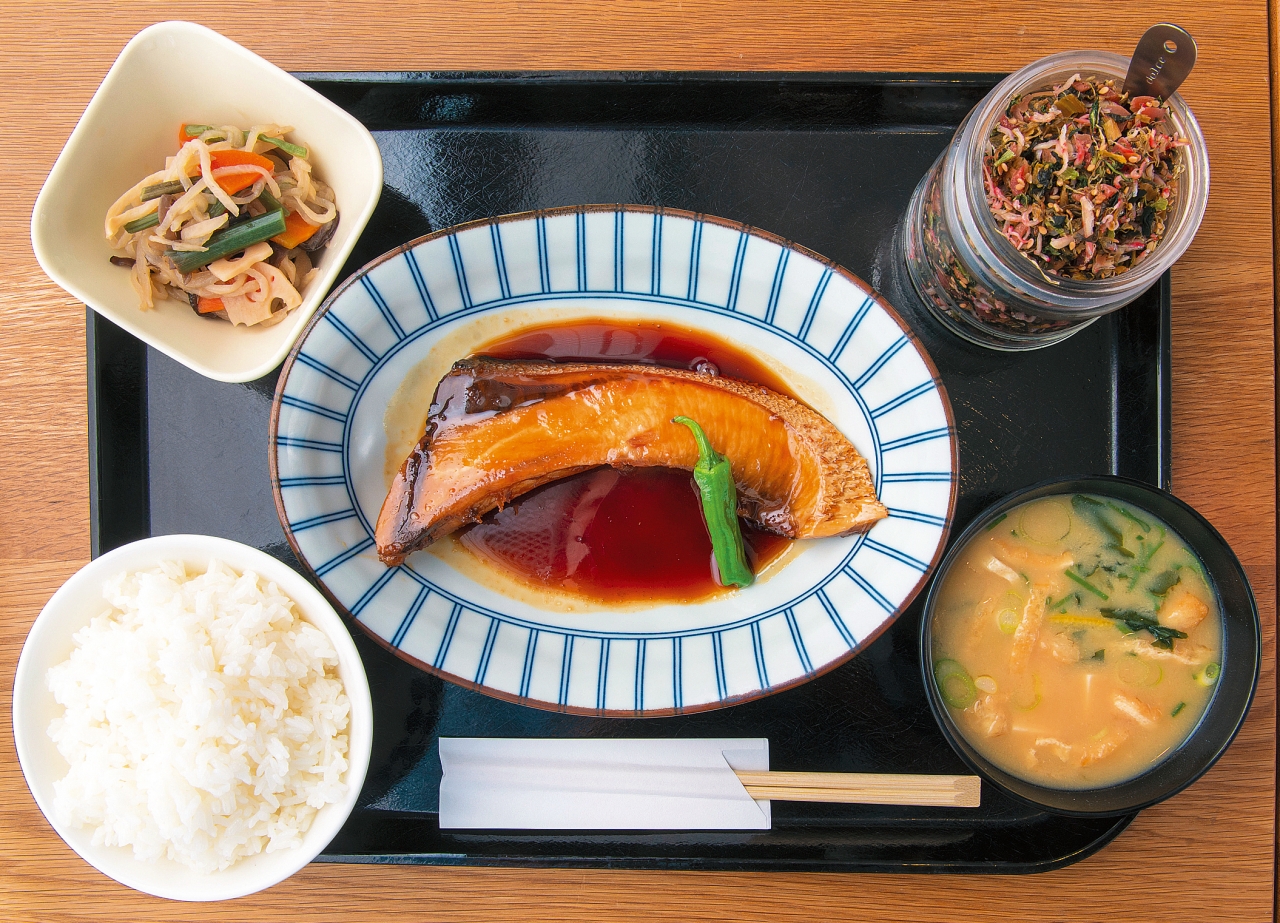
209	305
239	181
297	230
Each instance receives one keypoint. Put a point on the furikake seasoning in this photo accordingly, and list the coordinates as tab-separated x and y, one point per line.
955	289
1080	178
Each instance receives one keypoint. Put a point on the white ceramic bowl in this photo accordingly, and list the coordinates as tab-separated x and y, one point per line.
169	74
50	642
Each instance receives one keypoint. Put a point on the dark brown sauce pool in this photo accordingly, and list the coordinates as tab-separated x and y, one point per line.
617	535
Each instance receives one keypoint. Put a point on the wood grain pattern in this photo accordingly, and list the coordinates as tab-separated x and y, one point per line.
1216	841
863	788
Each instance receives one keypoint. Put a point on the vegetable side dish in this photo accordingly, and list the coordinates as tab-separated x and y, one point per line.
231	225
1080	178
1076	641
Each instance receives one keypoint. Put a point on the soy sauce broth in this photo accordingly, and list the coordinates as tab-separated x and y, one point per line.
647	343
610	535
1076	641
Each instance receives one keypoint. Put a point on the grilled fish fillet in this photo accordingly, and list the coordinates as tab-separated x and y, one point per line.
499	428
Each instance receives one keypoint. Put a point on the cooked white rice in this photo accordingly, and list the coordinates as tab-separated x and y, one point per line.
205	720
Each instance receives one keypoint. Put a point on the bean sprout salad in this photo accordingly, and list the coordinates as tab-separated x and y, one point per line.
231	225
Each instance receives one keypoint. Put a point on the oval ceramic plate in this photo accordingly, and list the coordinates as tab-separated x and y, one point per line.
396	327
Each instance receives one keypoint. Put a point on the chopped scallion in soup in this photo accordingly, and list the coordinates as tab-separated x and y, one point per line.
1076	641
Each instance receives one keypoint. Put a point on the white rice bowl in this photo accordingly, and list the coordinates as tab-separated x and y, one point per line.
204	720
192	717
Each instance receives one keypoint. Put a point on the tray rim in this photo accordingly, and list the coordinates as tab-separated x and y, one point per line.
1116	826
654	77
1159	455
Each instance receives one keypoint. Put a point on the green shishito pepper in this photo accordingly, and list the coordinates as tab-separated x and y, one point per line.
714	478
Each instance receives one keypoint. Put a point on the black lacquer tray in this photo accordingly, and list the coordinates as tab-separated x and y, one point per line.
828	161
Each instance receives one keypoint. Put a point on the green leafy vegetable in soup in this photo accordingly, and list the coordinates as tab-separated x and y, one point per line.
1076	641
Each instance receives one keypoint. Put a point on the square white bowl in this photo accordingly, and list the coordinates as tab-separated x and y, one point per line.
51	641
169	74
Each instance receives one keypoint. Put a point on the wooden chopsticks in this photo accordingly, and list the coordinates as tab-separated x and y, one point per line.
863	788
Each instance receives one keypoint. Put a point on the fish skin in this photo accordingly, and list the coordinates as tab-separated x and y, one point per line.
500	428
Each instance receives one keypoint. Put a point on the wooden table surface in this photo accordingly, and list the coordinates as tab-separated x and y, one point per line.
1208	853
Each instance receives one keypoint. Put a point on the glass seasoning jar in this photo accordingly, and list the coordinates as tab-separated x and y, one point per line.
976	282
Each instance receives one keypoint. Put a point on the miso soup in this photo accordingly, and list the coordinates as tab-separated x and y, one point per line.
1076	641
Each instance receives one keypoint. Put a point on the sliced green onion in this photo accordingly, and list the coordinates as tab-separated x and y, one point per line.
141	224
1209	675
1177	708
955	684
217	208
173	187
1138	672
230	240
1008	620
1046	524
1022	701
195	131
1072	575
294	150
995	522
